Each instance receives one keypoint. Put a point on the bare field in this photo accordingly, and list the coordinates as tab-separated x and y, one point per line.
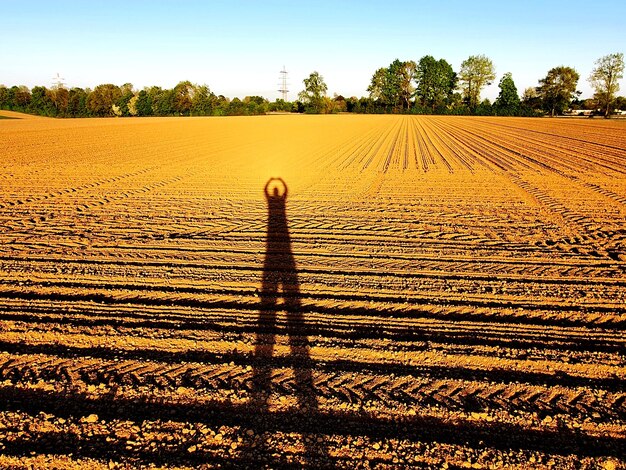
442	292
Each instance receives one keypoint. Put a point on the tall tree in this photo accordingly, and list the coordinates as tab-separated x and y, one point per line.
255	105
436	82
9	97
202	101
620	103
183	97
531	100
558	88
21	97
605	79
144	104
221	105
40	102
101	100
235	107
508	102
132	105
77	103
60	96
403	76
476	72
392	88
314	92
127	94
4	96
162	101
380	88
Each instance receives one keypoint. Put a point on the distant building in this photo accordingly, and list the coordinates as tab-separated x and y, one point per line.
580	112
592	112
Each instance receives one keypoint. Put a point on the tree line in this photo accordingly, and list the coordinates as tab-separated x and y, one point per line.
185	99
429	86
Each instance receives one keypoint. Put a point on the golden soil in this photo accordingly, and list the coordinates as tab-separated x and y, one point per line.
444	292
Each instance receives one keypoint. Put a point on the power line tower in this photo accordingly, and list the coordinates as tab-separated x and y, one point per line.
283	84
58	81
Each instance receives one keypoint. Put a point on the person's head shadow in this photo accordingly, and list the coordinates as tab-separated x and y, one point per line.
279	267
279	189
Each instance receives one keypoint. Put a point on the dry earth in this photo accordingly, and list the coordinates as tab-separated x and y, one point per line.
438	292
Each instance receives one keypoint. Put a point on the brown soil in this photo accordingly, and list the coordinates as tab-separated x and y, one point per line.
431	292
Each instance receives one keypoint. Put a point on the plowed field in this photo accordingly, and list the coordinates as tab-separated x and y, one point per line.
440	292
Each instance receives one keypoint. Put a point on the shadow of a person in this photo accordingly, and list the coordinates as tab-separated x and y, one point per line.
280	279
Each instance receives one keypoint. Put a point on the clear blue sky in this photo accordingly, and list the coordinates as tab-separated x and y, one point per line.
238	47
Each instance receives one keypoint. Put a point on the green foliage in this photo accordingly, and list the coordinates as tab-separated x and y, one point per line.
558	88
77	103
60	97
11	97
381	88
40	102
235	108
110	100
476	72
221	106
426	87
49	102
144	104
620	103
484	108
436	82
392	88
508	102
527	111
328	105
578	104
101	100
202	101
280	106
126	94
605	79
4	97
340	104
531	102
162	102
362	105
313	94
403	74
132	105
255	105
19	98
182	98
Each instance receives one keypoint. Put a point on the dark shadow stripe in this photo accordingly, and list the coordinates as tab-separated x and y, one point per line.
406	305
501	436
472	337
613	384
